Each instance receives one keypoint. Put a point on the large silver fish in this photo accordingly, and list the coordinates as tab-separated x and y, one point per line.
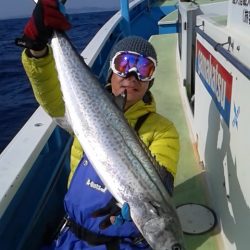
114	149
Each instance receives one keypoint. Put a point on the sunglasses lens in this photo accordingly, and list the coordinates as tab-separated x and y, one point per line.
145	67
121	63
124	62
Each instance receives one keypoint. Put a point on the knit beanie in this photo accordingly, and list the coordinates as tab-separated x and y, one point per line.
135	44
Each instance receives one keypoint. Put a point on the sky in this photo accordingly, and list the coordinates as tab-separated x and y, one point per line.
23	8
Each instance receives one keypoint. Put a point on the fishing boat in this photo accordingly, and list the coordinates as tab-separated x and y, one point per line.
201	84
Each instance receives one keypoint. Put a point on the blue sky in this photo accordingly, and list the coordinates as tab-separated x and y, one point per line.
23	8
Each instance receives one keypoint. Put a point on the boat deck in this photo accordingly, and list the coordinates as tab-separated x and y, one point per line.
190	180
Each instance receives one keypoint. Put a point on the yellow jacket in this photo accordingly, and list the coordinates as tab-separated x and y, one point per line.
157	132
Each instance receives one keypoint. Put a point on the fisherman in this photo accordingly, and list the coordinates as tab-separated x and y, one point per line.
94	221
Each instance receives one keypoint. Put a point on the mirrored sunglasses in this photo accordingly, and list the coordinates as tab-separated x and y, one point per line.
125	62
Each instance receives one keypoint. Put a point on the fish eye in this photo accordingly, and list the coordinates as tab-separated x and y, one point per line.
176	247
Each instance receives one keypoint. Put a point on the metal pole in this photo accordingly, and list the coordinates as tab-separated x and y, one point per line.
124	6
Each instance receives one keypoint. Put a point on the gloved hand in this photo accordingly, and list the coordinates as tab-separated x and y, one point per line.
123	216
47	16
115	214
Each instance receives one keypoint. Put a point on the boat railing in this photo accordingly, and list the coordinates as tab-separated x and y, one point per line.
19	156
226	53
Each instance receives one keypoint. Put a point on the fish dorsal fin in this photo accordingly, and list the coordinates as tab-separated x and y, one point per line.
120	100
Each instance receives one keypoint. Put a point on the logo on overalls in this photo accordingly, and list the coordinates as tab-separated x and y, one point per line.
96	186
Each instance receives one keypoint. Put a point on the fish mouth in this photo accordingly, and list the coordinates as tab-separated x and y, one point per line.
165	240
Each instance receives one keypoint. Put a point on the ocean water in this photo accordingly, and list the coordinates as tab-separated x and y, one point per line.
17	102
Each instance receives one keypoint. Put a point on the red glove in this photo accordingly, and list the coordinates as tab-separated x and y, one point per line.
46	17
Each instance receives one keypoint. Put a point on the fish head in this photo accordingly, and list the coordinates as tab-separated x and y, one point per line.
161	228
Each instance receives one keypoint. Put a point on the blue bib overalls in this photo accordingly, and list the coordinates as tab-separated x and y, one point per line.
87	194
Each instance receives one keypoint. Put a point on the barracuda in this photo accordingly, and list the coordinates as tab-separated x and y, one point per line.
128	173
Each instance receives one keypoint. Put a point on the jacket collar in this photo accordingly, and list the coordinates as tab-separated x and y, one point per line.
140	108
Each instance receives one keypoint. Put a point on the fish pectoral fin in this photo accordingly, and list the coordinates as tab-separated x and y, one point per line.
120	100
152	206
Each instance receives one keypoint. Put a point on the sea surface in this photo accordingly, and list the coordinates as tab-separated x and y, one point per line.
17	102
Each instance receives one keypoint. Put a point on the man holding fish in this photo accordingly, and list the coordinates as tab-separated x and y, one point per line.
93	218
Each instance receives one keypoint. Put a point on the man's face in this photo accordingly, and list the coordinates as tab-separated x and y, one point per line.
136	89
